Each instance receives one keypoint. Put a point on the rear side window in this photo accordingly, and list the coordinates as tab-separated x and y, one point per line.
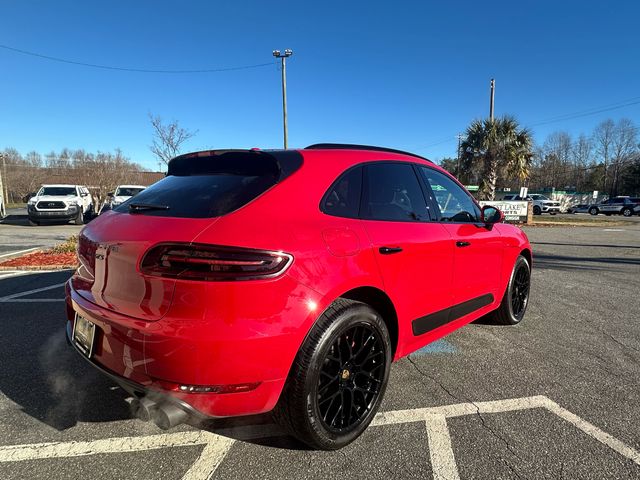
343	198
392	192
203	186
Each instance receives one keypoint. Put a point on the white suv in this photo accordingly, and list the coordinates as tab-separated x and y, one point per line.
60	202
541	204
120	195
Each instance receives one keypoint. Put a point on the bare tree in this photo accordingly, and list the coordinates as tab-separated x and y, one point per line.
603	139
624	146
167	138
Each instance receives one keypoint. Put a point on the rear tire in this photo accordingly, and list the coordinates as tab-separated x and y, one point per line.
516	298
593	211
343	365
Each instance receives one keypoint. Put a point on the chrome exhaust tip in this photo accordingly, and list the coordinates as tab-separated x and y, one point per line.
168	416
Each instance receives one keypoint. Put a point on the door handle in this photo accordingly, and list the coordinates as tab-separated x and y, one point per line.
463	244
389	250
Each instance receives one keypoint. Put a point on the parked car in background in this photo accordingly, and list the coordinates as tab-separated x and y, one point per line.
541	203
250	280
579	208
60	202
616	206
120	195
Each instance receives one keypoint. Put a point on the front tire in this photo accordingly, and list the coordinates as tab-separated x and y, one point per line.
338	378
593	211
79	220
627	212
537	210
516	298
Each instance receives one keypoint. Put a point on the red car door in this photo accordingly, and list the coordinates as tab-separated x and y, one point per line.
414	255
478	248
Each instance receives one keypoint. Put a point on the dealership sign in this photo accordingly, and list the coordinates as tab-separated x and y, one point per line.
513	211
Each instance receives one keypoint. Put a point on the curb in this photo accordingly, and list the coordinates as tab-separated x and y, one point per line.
39	267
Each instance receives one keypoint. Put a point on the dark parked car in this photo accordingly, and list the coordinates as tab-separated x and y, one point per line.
616	206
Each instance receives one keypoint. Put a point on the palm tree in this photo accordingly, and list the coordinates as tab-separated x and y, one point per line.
495	146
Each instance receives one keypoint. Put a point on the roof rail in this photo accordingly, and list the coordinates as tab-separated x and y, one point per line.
349	146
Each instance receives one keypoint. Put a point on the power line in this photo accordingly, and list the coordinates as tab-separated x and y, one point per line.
559	118
137	70
591	111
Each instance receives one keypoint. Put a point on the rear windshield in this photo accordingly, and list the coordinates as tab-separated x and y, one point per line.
210	185
59	191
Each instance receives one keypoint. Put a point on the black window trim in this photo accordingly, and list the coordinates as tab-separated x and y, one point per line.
436	207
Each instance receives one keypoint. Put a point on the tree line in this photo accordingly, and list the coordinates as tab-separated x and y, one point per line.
499	153
101	172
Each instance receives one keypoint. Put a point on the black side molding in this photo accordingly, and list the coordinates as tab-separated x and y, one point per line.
432	321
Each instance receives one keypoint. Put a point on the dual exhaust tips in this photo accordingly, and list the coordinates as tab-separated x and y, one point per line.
164	415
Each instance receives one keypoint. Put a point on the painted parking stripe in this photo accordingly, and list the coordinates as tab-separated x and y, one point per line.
10	298
215	449
19	252
443	462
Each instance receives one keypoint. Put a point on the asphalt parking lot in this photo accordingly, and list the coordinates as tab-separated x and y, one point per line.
555	397
17	236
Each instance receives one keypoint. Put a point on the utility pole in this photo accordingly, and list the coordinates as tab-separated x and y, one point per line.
458	166
283	57
493	88
3	197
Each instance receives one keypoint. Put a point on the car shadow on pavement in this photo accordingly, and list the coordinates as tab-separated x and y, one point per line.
562	262
45	377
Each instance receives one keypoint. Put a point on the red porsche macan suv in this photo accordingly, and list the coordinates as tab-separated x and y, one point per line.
288	280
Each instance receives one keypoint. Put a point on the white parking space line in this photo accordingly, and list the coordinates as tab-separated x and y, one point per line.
440	451
443	462
19	252
216	447
11	298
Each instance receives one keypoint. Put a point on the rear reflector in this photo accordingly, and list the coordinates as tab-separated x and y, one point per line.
237	388
212	262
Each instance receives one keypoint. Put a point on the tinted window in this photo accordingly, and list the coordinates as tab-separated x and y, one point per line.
392	192
454	203
343	198
201	186
60	191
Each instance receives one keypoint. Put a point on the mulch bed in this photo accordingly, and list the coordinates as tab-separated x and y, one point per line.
41	261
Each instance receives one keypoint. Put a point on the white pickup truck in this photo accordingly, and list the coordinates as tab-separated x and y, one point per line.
60	202
541	204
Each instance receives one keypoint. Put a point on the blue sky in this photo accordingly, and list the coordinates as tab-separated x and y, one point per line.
403	74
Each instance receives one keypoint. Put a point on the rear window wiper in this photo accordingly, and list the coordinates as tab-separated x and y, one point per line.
139	207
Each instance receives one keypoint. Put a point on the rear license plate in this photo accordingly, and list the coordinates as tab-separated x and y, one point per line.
83	335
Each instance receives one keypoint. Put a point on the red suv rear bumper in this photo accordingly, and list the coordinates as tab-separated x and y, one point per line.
233	349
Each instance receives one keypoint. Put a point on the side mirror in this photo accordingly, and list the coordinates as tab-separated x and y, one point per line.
110	194
490	215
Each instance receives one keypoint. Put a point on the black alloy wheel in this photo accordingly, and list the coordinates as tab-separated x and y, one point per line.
339	377
516	298
520	290
350	378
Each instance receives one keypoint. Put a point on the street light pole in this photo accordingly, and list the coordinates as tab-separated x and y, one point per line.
283	57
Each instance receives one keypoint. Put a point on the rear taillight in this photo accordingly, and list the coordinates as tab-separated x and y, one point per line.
212	262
